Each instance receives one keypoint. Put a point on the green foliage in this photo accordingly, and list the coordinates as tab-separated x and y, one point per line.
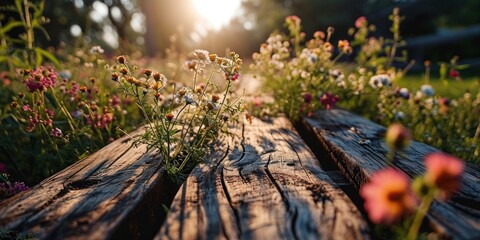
20	52
304	75
183	119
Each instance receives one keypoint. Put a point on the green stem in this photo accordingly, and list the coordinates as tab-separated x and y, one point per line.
70	120
337	57
55	146
419	216
199	143
29	29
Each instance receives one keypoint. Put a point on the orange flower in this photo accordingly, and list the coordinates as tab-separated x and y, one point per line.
388	196
443	172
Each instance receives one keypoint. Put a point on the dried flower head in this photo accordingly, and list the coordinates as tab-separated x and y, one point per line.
169	117
147	72
115	76
121	59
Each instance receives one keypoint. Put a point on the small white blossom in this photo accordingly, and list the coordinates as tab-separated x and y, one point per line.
403	92
379	81
96	50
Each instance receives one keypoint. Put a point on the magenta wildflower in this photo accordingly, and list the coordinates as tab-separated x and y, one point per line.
56	132
8	189
329	100
454	73
307	97
236	76
41	78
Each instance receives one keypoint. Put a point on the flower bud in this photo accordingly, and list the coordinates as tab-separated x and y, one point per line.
147	72
212	57
169	117
215	98
398	137
124	71
156	76
121	59
115	76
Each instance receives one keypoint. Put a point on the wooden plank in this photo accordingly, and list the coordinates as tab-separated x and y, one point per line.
357	145
263	184
100	197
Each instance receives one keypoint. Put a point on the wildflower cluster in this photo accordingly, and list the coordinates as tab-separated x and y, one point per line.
7	188
308	73
305	75
389	196
61	116
183	118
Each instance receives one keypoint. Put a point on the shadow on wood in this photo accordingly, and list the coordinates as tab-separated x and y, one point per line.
263	184
358	148
110	194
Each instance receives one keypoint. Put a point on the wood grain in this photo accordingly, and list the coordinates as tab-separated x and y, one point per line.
96	198
263	184
357	146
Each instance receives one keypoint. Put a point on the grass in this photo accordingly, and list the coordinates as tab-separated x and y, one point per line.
451	88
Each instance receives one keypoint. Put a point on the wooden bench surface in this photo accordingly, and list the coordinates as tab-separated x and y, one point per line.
357	145
265	184
96	198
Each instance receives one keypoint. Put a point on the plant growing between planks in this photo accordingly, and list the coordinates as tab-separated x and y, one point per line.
183	119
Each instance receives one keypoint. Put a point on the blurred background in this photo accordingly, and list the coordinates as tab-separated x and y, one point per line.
434	30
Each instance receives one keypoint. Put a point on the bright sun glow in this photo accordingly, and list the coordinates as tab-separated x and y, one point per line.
217	13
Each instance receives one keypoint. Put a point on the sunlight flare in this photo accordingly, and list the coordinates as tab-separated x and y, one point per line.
217	13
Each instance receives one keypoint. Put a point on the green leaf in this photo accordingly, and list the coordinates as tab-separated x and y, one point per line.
51	99
18	4
39	58
10	26
48	55
462	67
44	32
3	59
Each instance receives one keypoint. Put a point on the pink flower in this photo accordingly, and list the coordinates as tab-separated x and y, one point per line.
443	172
41	78
236	76
360	22
26	108
50	112
454	73
115	100
328	100
3	168
56	132
444	101
388	196
257	102
8	189
293	19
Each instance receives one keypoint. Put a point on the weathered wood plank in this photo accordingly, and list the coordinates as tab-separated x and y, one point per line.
96	198
357	146
263	184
